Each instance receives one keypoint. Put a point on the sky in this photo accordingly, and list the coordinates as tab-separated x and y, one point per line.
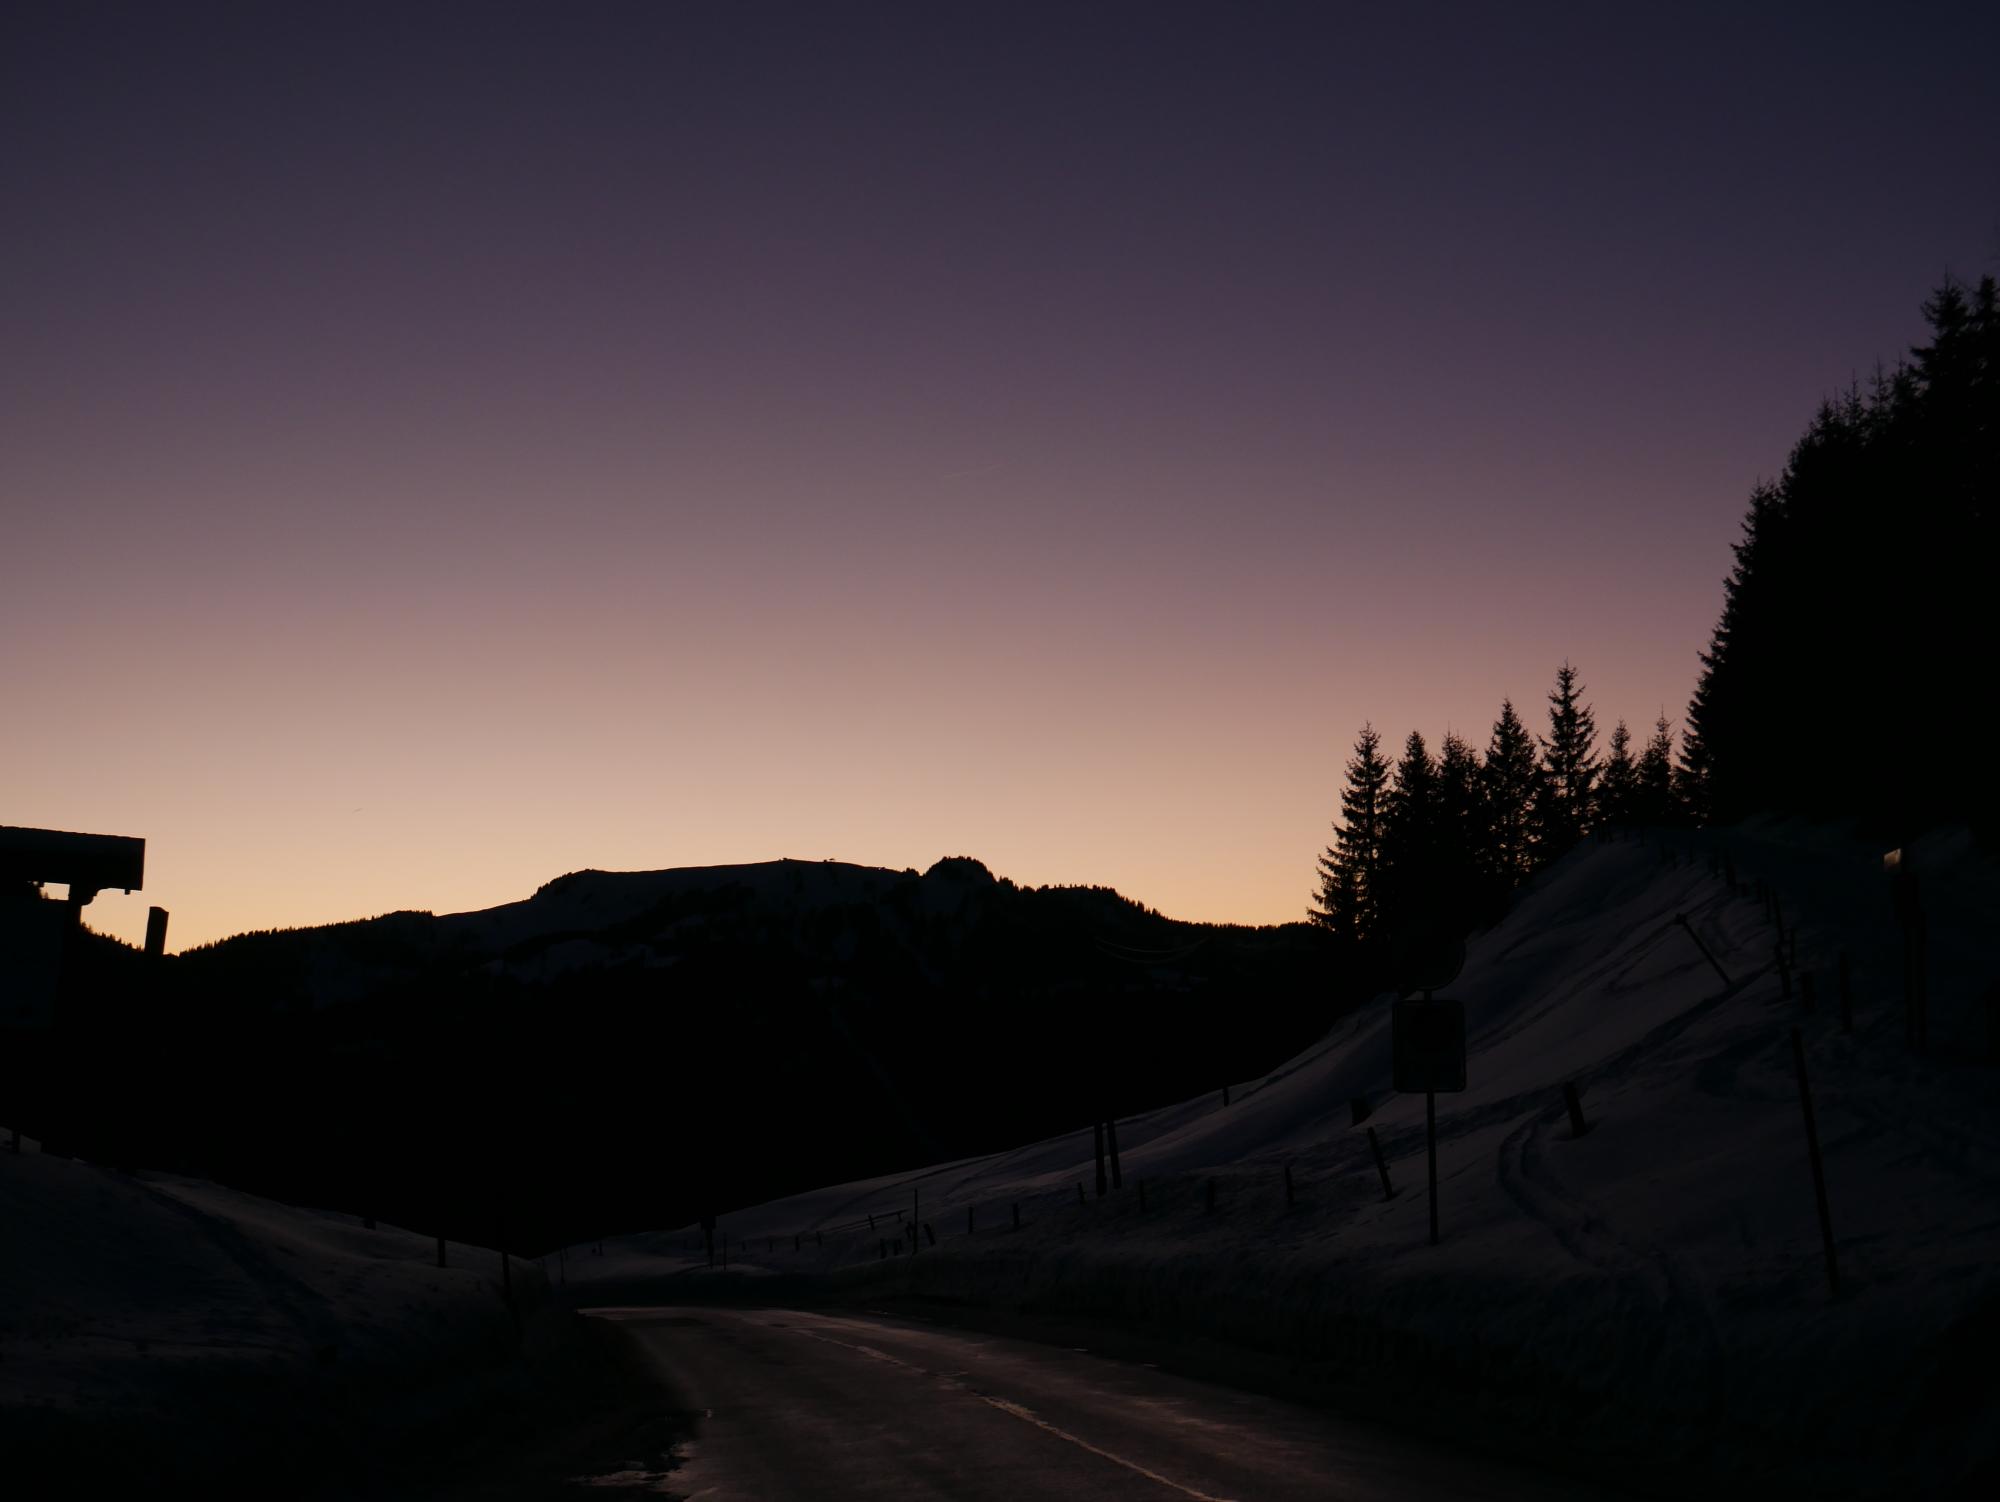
442	447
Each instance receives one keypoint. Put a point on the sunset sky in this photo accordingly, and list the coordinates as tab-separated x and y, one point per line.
446	446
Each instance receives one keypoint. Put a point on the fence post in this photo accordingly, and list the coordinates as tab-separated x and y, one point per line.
440	1251
1577	1125
1225	1095
929	1236
1381	1164
1290	1199
1097	1135
1111	1146
1080	1200
1818	1171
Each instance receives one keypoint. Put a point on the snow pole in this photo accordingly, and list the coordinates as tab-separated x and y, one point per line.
1682	920
1381	1164
1818	1169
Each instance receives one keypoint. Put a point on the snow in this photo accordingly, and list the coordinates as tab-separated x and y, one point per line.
1657	1284
182	1329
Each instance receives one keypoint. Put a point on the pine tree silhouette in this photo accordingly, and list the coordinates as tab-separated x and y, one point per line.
1410	840
1869	560
1351	868
1461	834
1618	781
1658	800
1509	779
1569	767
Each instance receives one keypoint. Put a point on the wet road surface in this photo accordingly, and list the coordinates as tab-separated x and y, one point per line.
796	1405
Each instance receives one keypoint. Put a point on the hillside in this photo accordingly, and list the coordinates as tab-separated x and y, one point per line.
672	1041
1655	1288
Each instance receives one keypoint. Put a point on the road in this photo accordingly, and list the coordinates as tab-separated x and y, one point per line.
820	1407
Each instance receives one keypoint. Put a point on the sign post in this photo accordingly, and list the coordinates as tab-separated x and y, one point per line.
1428	1036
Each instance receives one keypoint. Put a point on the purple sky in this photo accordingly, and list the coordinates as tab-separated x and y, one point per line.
444	447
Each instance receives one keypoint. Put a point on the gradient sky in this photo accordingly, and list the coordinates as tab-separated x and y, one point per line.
443	447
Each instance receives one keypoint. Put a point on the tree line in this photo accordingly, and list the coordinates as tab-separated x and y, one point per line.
1864	575
1441	839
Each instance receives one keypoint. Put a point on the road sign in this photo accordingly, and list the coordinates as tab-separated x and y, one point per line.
1426	957
1429	1045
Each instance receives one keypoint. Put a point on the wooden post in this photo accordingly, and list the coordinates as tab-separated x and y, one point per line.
156	933
929	1236
1846	994
1577	1125
1111	1148
1381	1164
1818	1171
1080	1200
871	1220
1097	1135
1225	1095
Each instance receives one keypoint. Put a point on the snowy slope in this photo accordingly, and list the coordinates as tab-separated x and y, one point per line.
178	1329
1658	1282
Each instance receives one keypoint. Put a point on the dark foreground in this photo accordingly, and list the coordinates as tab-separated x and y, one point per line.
786	1404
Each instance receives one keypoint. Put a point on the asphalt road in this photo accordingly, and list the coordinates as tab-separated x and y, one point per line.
817	1407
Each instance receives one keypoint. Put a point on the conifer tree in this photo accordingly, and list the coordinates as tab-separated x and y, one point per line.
1508	780
1569	767
1410	839
1350	869
1658	802
1461	837
1618	781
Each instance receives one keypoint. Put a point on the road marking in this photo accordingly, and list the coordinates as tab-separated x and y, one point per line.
1026	1416
1083	1444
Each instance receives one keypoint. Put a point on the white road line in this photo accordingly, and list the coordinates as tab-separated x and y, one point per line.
1027	1416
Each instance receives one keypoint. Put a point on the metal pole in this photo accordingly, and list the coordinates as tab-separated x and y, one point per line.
1431	1142
1818	1171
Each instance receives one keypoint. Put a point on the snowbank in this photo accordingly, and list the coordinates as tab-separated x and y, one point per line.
1655	1287
155	1328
